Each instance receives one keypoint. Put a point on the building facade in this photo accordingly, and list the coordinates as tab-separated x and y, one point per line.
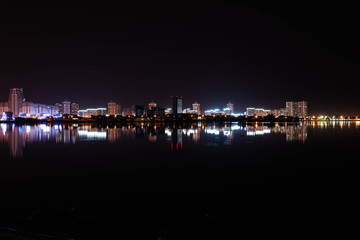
297	109
66	107
75	107
177	104
230	106
196	107
16	99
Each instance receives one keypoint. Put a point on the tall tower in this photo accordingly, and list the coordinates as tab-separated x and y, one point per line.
177	104
16	99
230	105
290	109
196	107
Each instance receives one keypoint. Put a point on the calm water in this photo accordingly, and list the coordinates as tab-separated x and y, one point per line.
156	182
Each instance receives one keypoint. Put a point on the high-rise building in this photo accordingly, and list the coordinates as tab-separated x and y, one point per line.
16	99
66	107
230	105
111	108
297	109
59	106
196	107
302	109
75	108
152	105
177	104
290	109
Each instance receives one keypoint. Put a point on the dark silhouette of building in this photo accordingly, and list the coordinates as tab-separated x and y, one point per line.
138	110
177	104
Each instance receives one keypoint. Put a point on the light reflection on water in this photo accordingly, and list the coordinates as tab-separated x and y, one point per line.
17	136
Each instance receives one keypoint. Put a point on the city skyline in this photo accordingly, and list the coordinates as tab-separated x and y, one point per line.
252	55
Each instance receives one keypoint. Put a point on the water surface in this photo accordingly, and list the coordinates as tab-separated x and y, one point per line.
92	181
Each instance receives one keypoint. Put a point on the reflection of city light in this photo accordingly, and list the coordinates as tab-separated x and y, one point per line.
4	128
235	127
168	132
212	131
95	135
44	128
28	129
227	133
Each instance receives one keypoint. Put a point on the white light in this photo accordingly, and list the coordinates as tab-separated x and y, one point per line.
92	135
168	132
3	128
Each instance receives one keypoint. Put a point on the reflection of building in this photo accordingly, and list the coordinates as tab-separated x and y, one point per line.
66	107
296	133
16	141
177	104
16	99
75	108
176	139
196	107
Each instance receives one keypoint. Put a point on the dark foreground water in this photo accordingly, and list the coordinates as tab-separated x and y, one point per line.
195	182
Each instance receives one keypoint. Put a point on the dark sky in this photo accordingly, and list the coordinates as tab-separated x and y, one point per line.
258	55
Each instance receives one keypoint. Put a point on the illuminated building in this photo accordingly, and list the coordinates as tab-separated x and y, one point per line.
128	111
302	109
230	106
279	112
92	112
297	109
177	104
152	105
290	109
196	107
257	112
16	99
191	111
168	110
30	109
66	107
111	108
4	107
250	111
59	105
75	108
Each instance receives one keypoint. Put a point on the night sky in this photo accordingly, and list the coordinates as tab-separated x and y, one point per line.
258	55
